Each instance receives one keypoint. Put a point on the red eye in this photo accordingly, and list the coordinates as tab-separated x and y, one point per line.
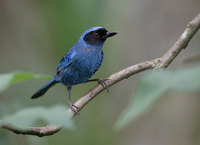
96	35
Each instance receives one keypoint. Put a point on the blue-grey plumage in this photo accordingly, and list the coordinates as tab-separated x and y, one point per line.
81	62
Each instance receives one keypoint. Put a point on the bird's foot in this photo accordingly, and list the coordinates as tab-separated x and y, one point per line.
103	83
74	108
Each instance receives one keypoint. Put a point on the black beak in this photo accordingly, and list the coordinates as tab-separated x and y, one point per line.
110	34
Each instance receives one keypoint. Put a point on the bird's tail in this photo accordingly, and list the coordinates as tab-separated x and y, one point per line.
44	88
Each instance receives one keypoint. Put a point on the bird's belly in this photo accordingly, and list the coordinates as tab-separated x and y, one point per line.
80	71
74	76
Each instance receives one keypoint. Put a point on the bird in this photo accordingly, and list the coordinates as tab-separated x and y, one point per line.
80	63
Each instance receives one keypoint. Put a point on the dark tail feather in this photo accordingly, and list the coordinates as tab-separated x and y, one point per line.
44	88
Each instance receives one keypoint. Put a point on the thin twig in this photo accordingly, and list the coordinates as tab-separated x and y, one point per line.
157	63
38	131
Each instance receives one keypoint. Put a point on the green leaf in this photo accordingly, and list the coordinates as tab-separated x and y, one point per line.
153	86
29	117
9	79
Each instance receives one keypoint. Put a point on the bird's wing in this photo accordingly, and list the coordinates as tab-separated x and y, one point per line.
67	60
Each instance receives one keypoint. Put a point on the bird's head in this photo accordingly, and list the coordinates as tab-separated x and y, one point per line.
96	35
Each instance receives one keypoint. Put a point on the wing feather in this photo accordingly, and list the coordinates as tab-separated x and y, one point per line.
66	61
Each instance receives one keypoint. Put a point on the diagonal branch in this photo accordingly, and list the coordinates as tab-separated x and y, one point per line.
162	62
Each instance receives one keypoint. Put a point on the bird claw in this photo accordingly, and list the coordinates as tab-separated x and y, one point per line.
76	107
103	83
72	107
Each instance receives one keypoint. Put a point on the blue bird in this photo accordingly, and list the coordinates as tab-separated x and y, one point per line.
80	63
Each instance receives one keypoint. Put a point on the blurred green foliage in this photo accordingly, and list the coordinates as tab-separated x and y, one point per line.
9	79
149	89
29	117
153	86
36	34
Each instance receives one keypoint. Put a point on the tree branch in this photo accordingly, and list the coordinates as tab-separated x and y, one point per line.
38	131
162	62
157	63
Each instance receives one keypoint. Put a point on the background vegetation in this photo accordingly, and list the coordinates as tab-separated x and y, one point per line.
35	35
